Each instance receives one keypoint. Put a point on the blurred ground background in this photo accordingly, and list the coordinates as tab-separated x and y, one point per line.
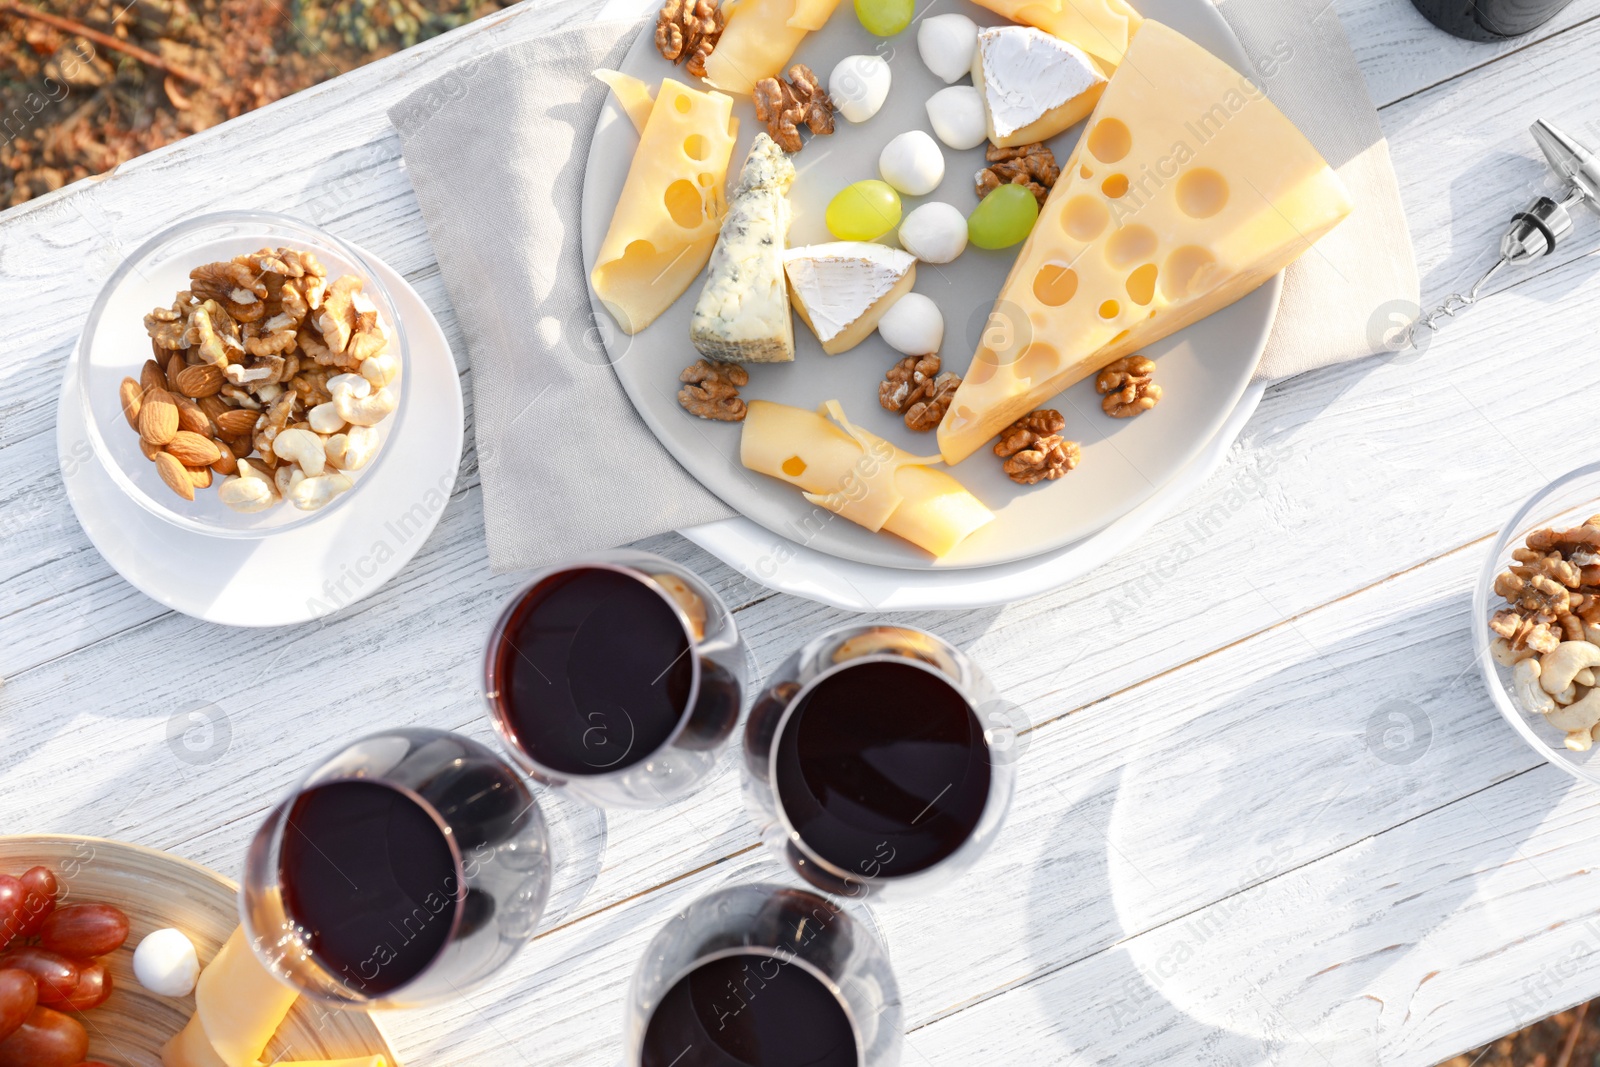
1570	1039
72	106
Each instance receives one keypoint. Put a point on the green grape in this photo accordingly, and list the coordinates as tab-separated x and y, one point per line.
885	18
1005	217
864	211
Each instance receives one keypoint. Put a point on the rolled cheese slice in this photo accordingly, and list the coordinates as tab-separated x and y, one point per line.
239	1004
860	476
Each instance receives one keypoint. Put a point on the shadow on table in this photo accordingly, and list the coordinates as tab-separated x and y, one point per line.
1267	865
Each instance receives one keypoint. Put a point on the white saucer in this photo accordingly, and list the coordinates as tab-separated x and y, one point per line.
309	571
780	564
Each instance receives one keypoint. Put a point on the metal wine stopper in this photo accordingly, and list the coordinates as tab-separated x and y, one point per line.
1538	228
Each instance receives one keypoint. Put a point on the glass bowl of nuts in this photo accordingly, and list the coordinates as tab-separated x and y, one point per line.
241	373
1538	632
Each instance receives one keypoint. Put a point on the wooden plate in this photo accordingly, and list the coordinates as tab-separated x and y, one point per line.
159	890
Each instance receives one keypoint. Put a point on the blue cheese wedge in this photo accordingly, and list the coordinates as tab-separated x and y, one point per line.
743	312
1033	85
842	288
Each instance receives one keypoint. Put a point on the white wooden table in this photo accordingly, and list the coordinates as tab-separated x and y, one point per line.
1267	812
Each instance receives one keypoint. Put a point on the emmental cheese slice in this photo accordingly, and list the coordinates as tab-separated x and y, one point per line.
759	38
671	207
1188	190
859	476
1102	28
1034	85
842	288
743	311
635	95
239	1004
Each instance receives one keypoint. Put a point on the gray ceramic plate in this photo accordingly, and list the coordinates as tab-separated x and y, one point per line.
1203	369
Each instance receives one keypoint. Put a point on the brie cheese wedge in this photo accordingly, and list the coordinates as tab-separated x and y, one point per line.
1033	85
842	288
743	311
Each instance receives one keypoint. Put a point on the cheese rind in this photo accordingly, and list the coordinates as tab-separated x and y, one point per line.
1102	28
860	476
1188	190
671	207
1034	85
743	311
635	95
759	38
842	288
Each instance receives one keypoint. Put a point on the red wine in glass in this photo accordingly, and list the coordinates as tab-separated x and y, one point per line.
1489	20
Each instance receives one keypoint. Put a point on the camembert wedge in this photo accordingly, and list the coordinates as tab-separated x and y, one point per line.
842	288
1102	28
1188	190
759	38
671	206
743	311
859	476
1034	84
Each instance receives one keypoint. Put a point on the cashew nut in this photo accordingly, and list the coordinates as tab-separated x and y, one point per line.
380	370
302	448
310	494
353	449
353	385
1582	715
367	410
1527	692
324	418
1585	677
1558	669
247	495
287	477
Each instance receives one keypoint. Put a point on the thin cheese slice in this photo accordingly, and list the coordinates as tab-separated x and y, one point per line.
1103	28
239	1004
190	1048
759	38
1188	190
860	476
842	288
1034	85
634	94
671	207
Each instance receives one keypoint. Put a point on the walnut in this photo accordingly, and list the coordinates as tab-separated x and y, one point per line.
1128	388
1034	450
689	30
166	327
1552	590
926	412
787	104
1032	166
903	382
711	390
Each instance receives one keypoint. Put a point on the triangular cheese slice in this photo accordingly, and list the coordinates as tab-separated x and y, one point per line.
1034	85
1188	190
842	288
1102	28
759	38
634	94
743	311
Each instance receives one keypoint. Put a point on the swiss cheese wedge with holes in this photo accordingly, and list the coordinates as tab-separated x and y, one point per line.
1102	28
759	38
671	207
634	94
1188	190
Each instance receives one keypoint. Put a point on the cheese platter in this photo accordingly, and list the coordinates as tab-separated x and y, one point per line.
1170	224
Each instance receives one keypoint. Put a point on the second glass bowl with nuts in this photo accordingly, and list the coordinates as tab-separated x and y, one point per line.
242	373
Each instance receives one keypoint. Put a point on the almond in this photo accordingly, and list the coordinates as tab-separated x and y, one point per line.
193	450
238	422
201	380
200	477
175	475
132	396
152	377
227	462
213	406
174	365
240	446
191	418
150	451
158	417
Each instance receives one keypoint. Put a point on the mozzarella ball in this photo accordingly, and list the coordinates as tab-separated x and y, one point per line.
859	85
947	44
957	117
165	963
912	163
935	233
913	326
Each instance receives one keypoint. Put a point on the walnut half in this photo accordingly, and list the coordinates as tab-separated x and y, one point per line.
1127	387
787	104
688	30
1034	450
711	390
915	387
1031	165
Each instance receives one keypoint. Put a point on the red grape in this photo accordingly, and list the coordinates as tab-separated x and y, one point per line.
38	900
45	1039
94	986
11	894
18	997
56	976
84	930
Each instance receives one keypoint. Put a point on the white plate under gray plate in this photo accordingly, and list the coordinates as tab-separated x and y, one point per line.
1203	369
305	572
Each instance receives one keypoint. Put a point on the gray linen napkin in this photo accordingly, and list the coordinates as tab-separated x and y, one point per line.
497	161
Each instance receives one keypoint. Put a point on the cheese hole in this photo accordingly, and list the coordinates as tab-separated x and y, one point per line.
1202	193
684	204
696	147
706	179
682	103
962	417
1037	363
1142	284
1085	173
1115	186
1110	140
794	466
1118	339
1130	244
1055	284
1084	217
1187	271
984	364
1109	309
